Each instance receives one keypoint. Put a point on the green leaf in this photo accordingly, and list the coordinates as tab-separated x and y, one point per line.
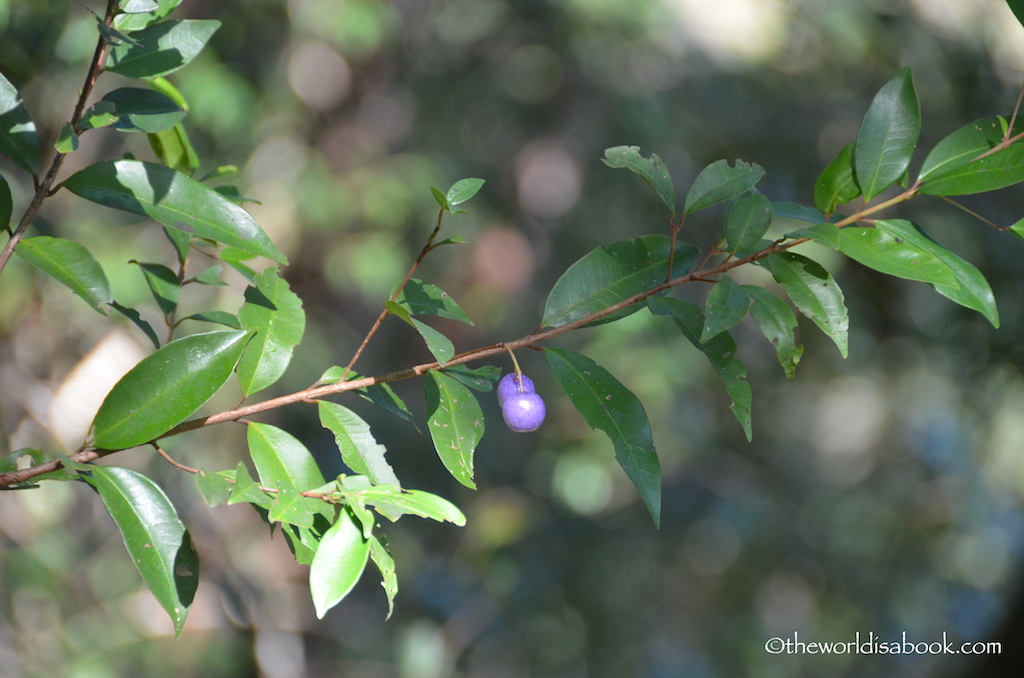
652	169
813	291
18	139
215	487
455	422
138	6
790	210
836	184
359	449
420	298
174	149
608	405
999	170
110	35
143	110
134	316
823	234
338	563
69	264
727	305
165	47
221	172
67	140
174	200
1017	6
479	379
180	240
291	507
9	462
278	456
454	240
210	276
748	221
386	564
438	344
275	313
611	274
232	194
887	136
720	350
135	21
777	323
960	148
155	537
718	182
163	283
440	198
392	501
246	491
463	190
894	247
6	203
380	395
101	114
218	317
165	387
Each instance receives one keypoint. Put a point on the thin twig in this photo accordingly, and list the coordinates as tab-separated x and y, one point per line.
974	214
172	462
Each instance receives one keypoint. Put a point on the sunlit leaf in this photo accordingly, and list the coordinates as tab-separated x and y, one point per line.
420	298
174	200
999	170
210	276
164	48
888	136
278	456
438	344
165	387
275	313
18	139
291	507
71	265
777	322
174	149
393	501
9	462
67	140
156	539
246	491
718	182
143	110
135	21
611	274
455	422
463	190
813	291
215	487
893	247
359	449
652	169
386	564
380	395
338	563
609	406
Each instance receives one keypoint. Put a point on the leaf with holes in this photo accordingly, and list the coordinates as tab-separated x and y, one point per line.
813	291
777	322
652	169
455	422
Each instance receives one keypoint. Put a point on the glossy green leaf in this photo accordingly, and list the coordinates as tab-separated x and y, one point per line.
727	305
291	507
275	313
963	146
163	284
6	203
278	456
777	322
218	317
718	182
18	138
246	491
463	190
165	387
215	487
748	221
455	422
720	350
888	136
70	264
894	247
813	291
174	200
67	140
303	541
479	379
138	6
100	114
210	276
823	234
165	47
393	501
221	172
786	209
386	564
611	274
359	449
836	184
155	537
232	194
338	563
135	21
438	344
999	170
609	406
143	110
420	298
652	169
174	149
134	316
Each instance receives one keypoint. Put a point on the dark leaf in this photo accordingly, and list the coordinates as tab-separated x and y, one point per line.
748	221
813	291
163	283
727	305
420	298
887	136
143	110
18	139
718	182
777	323
652	169
134	316
836	184
161	49
438	344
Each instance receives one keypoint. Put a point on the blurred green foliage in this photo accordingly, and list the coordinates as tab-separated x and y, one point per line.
881	493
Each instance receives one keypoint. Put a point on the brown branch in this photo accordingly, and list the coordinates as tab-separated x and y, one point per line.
43	188
172	462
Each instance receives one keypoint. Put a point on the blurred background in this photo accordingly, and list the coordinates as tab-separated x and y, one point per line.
882	493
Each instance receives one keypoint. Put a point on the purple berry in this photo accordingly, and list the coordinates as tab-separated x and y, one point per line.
509	384
523	411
